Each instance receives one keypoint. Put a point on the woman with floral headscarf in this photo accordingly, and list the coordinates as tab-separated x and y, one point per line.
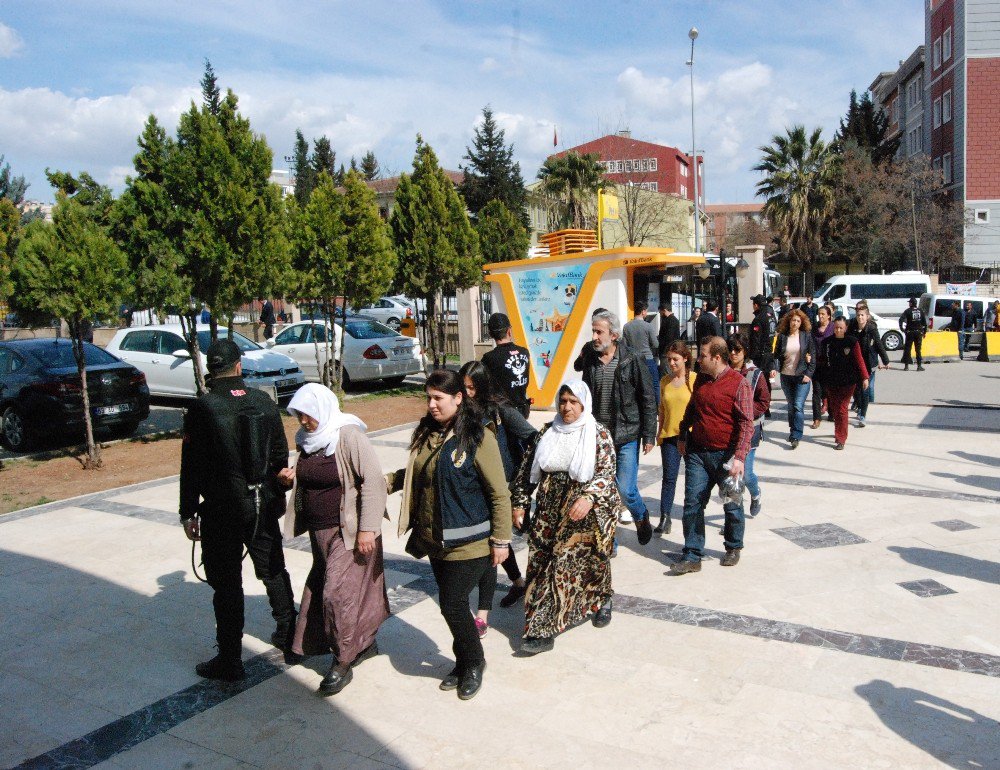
339	499
572	464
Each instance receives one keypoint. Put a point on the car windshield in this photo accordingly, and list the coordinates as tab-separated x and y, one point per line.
58	356
368	330
821	290
205	339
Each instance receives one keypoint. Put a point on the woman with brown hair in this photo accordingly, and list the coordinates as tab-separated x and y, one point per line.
795	360
822	330
675	392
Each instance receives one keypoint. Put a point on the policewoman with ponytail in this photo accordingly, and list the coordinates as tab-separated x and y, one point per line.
456	506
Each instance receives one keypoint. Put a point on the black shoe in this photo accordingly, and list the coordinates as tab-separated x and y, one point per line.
222	668
603	616
336	679
450	682
731	559
906	367
920	368
515	593
644	530
472	682
282	636
839	446
532	645
684	566
368	652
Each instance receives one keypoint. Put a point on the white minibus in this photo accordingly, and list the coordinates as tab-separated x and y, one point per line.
886	295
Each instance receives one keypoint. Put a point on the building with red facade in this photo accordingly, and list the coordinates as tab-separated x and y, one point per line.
651	166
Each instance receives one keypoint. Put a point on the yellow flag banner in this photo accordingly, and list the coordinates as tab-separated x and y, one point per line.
608	206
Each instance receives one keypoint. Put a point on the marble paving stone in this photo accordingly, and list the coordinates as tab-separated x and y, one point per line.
954	525
825	535
926	588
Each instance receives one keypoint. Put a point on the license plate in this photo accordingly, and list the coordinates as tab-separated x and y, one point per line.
283	383
116	409
401	351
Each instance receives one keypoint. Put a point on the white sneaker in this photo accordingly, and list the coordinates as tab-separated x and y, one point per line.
625	517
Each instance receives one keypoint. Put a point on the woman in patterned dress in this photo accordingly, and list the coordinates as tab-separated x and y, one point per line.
572	464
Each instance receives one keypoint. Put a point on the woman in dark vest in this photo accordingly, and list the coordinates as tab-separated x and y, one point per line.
514	434
456	506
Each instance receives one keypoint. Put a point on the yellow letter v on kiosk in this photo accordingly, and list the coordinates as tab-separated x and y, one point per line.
550	301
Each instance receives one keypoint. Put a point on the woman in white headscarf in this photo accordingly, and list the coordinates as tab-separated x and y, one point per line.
572	464
340	500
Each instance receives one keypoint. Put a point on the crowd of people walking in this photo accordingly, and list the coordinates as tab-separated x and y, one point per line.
478	472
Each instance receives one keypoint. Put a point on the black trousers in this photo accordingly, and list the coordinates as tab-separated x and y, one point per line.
488	586
817	399
455	580
915	339
224	533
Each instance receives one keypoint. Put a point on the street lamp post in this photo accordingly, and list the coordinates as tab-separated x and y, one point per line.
693	34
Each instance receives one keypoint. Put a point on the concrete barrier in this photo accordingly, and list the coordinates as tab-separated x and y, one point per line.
940	345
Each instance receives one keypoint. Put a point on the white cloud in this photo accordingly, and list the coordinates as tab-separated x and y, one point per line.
10	42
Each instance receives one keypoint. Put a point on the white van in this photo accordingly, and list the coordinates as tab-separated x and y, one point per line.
938	308
886	295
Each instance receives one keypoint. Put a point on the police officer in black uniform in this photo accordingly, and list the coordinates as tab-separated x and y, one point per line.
913	323
762	331
234	446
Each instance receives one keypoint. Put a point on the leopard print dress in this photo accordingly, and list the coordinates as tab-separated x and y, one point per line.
569	562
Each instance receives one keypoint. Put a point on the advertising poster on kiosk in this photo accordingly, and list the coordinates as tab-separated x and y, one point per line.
546	298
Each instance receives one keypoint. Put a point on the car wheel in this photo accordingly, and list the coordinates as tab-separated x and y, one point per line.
345	378
15	430
892	340
393	323
394	382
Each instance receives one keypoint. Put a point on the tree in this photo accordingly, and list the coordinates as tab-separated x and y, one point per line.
145	226
370	259
492	173
369	167
210	94
10	228
798	191
13	188
96	197
502	237
319	249
325	159
73	270
302	170
434	239
646	216
571	178
867	126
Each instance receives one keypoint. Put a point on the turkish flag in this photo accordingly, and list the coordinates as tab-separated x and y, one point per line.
555	137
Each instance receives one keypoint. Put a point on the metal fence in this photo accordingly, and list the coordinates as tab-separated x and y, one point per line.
970	273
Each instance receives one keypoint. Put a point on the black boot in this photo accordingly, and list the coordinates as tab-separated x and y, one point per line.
336	679
225	668
471	682
279	595
603	616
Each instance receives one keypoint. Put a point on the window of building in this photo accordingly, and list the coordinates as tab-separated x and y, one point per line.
895	110
652	164
684	190
644	164
936	164
914	91
936	112
684	170
946	107
946	45
936	54
915	141
982	216
946	167
654	186
619	166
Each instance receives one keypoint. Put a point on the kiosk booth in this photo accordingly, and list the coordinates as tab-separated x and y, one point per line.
550	300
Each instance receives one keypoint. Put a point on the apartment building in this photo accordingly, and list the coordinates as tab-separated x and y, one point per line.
902	95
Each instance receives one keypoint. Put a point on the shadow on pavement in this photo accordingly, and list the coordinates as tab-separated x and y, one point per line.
992	483
951	563
953	734
984	459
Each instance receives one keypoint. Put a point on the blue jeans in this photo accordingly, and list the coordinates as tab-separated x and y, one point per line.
963	342
671	469
866	397
627	478
702	473
796	393
753	484
654	374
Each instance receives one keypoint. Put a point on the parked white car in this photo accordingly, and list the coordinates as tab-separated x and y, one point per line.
161	354
387	310
372	350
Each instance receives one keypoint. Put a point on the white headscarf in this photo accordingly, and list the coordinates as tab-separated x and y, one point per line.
322	405
581	467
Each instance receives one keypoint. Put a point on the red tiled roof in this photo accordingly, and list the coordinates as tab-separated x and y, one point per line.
390	184
734	208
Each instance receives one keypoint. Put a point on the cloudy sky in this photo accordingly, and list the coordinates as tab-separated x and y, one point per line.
79	78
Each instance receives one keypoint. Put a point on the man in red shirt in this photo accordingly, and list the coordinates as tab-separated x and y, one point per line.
716	431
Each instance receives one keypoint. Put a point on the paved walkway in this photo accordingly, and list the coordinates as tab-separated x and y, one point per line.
860	629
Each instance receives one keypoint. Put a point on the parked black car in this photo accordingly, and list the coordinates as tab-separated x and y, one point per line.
40	393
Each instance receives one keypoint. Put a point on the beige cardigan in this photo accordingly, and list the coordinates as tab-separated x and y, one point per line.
362	506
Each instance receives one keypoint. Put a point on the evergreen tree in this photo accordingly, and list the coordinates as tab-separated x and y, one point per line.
13	188
369	167
324	158
210	94
354	165
72	269
502	238
492	173
95	197
302	170
867	126
434	239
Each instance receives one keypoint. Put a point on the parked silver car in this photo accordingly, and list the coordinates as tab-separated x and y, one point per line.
372	350
161	354
388	310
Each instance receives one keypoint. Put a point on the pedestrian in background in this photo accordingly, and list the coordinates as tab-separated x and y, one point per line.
708	324
843	371
822	330
795	361
639	336
675	392
267	317
740	361
863	328
913	324
508	364
670	332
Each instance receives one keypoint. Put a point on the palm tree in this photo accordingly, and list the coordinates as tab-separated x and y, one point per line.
571	177
798	191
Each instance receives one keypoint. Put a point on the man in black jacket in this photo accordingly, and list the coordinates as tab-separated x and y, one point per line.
234	445
762	334
624	403
670	332
863	328
708	323
913	323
